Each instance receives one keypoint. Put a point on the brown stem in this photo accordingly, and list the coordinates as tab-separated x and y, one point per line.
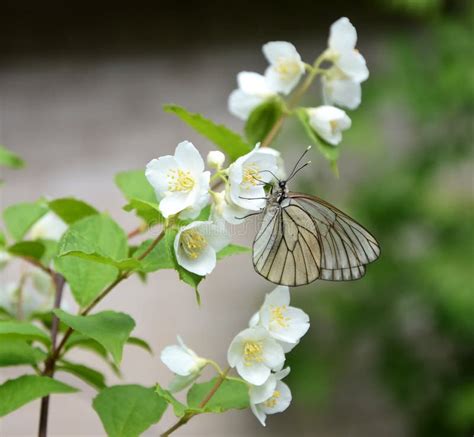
50	363
185	419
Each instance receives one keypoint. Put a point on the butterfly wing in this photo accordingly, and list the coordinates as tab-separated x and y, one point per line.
286	250
346	246
306	238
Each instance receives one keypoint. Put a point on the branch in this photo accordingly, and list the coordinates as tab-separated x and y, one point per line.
50	363
187	417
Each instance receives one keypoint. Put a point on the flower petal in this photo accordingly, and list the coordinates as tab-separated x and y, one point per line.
156	173
178	360
260	393
273	355
259	414
241	104
255	374
274	50
342	35
282	401
353	65
280	296
345	93
189	158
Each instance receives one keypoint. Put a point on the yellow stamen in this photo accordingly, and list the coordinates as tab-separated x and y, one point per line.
253	352
180	180
270	403
334	126
286	68
278	316
250	176
192	243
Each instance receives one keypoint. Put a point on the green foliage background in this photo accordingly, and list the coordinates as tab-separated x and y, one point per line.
415	307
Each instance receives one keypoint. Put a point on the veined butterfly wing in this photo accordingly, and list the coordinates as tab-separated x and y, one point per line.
305	238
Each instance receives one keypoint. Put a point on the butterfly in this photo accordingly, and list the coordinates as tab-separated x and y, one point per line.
303	238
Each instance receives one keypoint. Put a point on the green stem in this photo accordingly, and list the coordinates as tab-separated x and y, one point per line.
185	419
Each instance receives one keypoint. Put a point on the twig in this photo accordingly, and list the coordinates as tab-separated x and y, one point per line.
50	363
185	419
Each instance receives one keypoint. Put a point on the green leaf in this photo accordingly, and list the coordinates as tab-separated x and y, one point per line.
22	331
128	410
123	265
95	234
111	329
136	341
148	211
178	407
134	185
87	343
50	250
159	258
231	394
20	217
15	352
262	119
330	152
228	141
87	374
9	159
17	392
232	249
71	210
28	249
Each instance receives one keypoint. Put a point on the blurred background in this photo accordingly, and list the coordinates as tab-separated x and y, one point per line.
81	90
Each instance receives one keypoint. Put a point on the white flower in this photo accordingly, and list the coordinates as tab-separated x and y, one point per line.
180	182
283	322
48	227
329	122
272	397
252	91
342	92
197	244
286	66
342	42
215	159
248	176
184	362
224	209
341	86
254	353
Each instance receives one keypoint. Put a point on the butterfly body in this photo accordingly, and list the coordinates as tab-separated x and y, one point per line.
303	238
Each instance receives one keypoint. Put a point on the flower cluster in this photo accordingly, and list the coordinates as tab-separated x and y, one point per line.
183	189
341	82
257	353
34	292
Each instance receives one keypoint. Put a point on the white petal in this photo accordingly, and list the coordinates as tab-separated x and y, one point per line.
353	65
189	158
235	351
282	401
280	296
48	227
283	84
234	214
297	326
241	104
342	35
254	84
216	235
256	374
202	265
260	393
259	414
345	93
156	173
254	320
287	347
273	355
279	49
178	360
282	373
174	203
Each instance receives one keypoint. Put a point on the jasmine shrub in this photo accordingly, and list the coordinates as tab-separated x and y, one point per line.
72	255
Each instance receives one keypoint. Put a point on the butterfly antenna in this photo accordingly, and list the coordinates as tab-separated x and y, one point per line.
298	170
273	174
295	170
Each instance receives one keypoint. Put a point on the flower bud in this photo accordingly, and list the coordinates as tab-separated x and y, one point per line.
215	159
